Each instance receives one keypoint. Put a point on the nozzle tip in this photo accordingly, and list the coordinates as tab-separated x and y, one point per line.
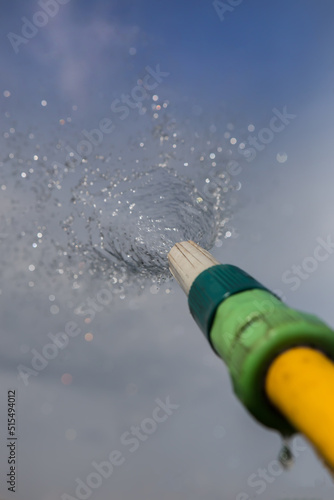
186	261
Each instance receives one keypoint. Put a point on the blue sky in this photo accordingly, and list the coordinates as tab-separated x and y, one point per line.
259	50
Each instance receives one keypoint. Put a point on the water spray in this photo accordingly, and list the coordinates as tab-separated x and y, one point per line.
280	360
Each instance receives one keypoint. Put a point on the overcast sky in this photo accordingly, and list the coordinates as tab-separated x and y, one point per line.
224	75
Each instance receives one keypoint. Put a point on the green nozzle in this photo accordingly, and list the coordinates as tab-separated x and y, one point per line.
248	327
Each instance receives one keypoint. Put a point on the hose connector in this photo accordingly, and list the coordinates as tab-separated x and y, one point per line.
246	325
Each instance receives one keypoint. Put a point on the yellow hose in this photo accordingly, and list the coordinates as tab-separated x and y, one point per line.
300	383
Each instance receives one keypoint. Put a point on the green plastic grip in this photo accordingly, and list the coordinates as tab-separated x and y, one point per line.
248	329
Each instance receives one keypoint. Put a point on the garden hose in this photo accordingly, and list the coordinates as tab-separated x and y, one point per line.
279	359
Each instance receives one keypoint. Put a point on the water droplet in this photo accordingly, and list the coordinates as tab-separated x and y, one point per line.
66	378
285	456
54	309
281	157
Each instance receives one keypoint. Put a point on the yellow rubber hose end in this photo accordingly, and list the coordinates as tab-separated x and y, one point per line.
300	384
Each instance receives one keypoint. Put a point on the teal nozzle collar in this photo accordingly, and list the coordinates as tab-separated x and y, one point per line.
212	287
